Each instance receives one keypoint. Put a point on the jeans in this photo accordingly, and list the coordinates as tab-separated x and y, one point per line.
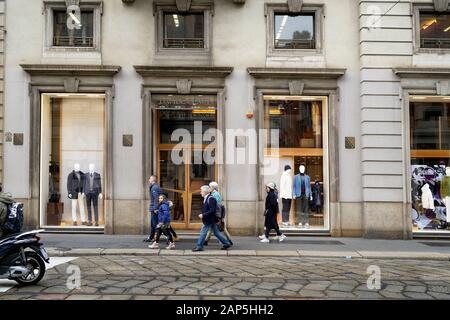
303	209
225	232
286	209
153	224
92	200
204	232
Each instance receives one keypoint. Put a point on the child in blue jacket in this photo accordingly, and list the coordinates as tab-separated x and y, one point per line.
163	223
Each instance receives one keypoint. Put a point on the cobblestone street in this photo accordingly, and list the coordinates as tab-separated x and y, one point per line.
198	277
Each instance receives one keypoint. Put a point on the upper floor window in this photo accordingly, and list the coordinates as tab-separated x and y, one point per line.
435	30
67	32
294	31
183	30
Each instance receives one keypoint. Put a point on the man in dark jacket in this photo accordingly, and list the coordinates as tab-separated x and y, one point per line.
155	192
210	220
5	201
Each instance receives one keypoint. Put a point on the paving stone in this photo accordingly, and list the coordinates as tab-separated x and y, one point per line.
85	290
391	294
112	290
417	295
149	297
293	286
394	288
311	293
421	289
116	297
439	295
367	295
83	297
269	285
137	290
316	287
128	284
339	294
163	291
281	292
260	292
56	289
152	284
341	287
244	285
183	298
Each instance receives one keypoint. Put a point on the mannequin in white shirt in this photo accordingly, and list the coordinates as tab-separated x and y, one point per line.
286	183
92	191
75	182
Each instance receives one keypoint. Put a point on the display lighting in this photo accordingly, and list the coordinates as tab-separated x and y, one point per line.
176	20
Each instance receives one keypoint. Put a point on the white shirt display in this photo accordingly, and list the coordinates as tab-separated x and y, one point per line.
427	197
286	185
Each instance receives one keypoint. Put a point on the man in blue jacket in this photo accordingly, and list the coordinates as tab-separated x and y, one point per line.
155	192
210	220
302	195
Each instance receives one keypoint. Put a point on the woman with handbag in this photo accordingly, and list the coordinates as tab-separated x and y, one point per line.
270	213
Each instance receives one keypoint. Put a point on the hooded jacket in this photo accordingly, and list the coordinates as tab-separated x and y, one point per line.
5	201
427	197
286	184
164	212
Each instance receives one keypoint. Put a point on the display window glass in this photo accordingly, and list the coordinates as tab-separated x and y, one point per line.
72	160
76	37
435	30
297	158
429	119
184	30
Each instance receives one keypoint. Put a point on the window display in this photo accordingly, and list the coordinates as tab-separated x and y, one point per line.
72	160
430	164
294	31
300	158
79	36
434	30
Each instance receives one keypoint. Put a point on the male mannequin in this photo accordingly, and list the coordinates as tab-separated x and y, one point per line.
302	194
92	191
286	193
445	192
75	182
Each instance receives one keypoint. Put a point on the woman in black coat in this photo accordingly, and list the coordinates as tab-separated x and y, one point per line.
270	213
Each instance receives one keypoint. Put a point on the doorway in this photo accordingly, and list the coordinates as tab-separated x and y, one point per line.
183	126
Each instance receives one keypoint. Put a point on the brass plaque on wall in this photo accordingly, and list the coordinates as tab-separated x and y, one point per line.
350	143
127	140
18	139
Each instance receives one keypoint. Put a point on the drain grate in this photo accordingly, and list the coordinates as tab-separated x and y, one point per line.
436	244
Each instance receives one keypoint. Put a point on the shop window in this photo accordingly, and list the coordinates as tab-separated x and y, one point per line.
296	137
78	36
434	30
294	31
184	30
430	164
72	161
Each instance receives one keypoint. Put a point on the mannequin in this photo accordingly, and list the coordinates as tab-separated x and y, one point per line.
75	182
286	193
317	201
427	201
445	192
302	194
92	191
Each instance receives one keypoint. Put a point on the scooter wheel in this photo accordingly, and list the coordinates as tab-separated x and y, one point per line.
37	269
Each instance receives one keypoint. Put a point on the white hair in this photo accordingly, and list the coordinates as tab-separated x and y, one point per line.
214	185
205	189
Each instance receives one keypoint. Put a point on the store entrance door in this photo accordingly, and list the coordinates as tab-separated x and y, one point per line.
182	167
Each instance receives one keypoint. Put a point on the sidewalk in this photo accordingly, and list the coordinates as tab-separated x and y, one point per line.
324	247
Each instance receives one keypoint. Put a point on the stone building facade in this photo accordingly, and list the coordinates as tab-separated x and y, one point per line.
104	84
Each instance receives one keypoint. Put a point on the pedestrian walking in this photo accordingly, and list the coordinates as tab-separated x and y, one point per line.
163	225
270	213
155	191
210	220
222	224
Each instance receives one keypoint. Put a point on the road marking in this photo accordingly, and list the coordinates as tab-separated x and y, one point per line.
5	285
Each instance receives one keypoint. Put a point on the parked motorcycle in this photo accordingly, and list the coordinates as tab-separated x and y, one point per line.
23	257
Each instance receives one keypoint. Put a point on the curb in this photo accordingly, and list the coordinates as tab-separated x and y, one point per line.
388	255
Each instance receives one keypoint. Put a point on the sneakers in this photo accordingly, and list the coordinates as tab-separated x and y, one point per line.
225	247
286	224
307	225
196	249
205	243
265	240
300	225
171	246
282	238
154	245
262	237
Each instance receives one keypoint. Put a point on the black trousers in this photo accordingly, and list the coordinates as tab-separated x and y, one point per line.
166	231
286	209
92	200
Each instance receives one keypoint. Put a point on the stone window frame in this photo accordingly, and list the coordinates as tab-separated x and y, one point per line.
54	78
417	9
303	82
270	9
197	56
416	82
50	7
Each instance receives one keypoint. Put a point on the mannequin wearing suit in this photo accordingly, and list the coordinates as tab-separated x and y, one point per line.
302	194
445	192
92	192
75	182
